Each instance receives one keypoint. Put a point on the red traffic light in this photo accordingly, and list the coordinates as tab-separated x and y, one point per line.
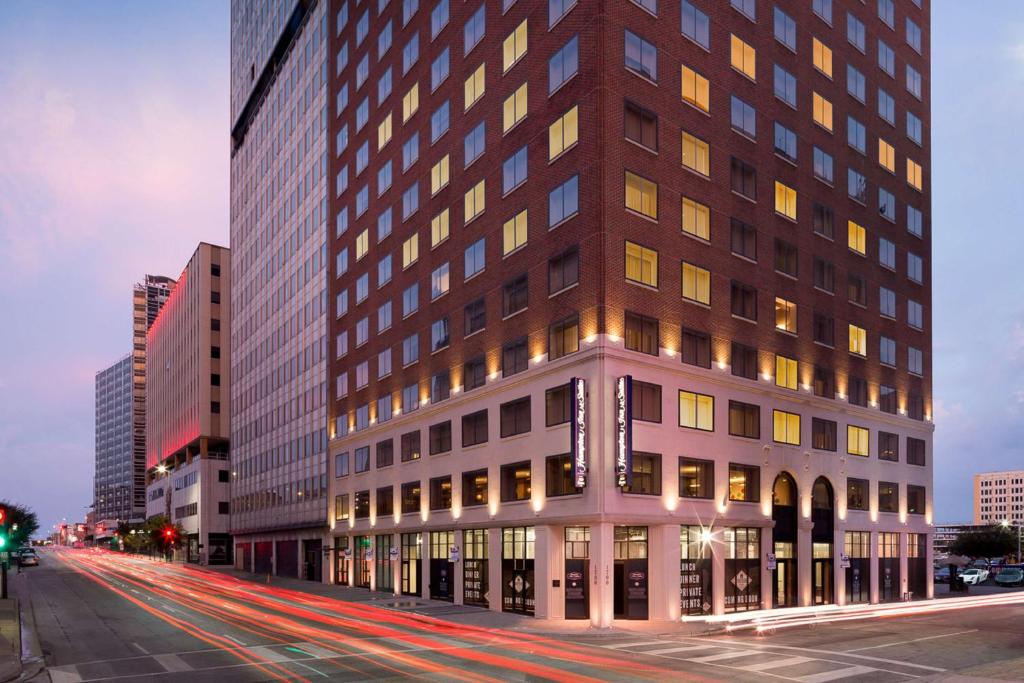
168	533
3	515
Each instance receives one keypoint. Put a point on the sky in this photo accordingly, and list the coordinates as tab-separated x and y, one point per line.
114	163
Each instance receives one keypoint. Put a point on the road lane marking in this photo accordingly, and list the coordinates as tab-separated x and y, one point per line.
776	664
235	640
670	650
915	640
636	643
829	653
315	651
836	675
316	671
267	652
64	674
706	659
140	648
173	662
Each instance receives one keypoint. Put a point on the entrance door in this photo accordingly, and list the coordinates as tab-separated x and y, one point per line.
517	558
385	578
822	538
888	566
695	570
474	567
917	568
442	571
411	552
784	498
341	561
785	575
822	570
630	600
363	557
312	566
577	571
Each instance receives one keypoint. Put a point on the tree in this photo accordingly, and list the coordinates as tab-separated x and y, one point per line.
994	542
24	519
157	528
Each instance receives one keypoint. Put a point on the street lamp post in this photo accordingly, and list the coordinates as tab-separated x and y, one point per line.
1006	524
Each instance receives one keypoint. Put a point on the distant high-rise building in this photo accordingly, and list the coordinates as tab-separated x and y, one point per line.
148	297
188	404
114	480
998	497
279	115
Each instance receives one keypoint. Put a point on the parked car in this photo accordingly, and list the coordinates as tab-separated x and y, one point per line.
27	557
1010	576
974	576
942	575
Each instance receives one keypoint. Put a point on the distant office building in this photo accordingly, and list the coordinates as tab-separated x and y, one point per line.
188	371
114	479
945	534
999	496
279	113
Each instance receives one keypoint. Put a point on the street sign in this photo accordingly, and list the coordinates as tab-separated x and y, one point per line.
771	563
393	553
844	561
454	553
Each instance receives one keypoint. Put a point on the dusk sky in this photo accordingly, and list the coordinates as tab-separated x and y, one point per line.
114	163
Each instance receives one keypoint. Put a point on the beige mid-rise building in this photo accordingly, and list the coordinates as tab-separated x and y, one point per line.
999	496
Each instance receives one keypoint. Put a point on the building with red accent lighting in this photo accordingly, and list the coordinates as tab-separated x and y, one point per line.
188	373
631	303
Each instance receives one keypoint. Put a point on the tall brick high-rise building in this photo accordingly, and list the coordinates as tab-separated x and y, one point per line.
630	303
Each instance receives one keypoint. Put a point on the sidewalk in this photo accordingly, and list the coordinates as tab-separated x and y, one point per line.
10	640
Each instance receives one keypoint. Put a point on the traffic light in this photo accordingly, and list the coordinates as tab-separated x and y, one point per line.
3	528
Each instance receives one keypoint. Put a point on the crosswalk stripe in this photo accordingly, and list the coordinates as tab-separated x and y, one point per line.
269	653
636	643
732	654
671	650
64	674
316	651
836	674
172	662
775	664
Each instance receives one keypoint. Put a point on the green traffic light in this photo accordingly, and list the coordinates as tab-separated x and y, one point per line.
3	541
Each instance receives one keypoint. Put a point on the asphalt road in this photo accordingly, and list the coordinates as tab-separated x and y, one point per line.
106	617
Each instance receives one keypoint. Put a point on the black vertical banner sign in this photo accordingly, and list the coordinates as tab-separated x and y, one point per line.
624	431
578	433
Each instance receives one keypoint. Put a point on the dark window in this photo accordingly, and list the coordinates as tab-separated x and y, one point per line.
857	494
214	352
564	337
785	142
646	474
558	405
362	457
474	373
515	481
563	270
215	269
744	483
744	239
476	316
857	289
385	501
410	497
744	361
474	488
824	382
744	179
888	496
474	428
823	220
558	476
514	357
214	297
696	348
411	446
915	451
223	476
214	379
515	417
215	324
823	434
824	275
887	399
696	478
514	296
915	499
362	504
223	507
641	125
744	301
858	391
441	437
915	407
441	493
215	407
744	420
646	401
786	258
888	446
824	329
642	333
440	386
385	453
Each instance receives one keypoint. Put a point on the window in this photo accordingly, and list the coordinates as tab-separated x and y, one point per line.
362	459
556	9
438	18
410	53
886	58
558	476
888	496
410	201
558	405
915	267
822	220
473	31
858	340
646	401
823	434
855	32
785	200
475	86
514	296
857	440
474	428
564	337
564	201
914	174
564	64
474	258
440	387
785	29
696	219
914	128
410	493
361	504
744	420
563	133
887	399
913	35
696	411
641	57
743	239
744	483
785	315
696	284
696	154
822	111
824	275
440	493
858	391
785	142
784	86
515	417
743	178
746	7
786	372
915	314
439	70
695	89
823	165
514	171
857	237
642	333
475	316
915	451
786	427
641	125
914	221
696	348
474	488
440	281
641	195
410	151
410	446
385	453
641	265
744	117
857	495
646	474
915	361
696	478
439	334
856	84
887	302
563	270
888	446
513	47
913	81
822	56
886	106
341	508
439	175
695	25
474	201
514	108
743	57
743	300
887	253
915	499
514	357
515	482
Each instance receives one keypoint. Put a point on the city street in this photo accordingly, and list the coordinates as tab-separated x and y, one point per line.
101	616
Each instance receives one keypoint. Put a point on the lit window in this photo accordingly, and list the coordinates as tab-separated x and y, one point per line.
410	102
696	284
822	57
514	47
785	200
641	265
563	133
384	132
886	156
914	174
641	195
695	89
696	411
744	58
822	112
439	228
514	233
786	427
696	154
410	251
514	108
857	237
439	175
474	201
785	315
475	87
362	243
785	372
696	219
857	440
858	340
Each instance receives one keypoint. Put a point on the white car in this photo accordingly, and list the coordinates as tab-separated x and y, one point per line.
972	577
